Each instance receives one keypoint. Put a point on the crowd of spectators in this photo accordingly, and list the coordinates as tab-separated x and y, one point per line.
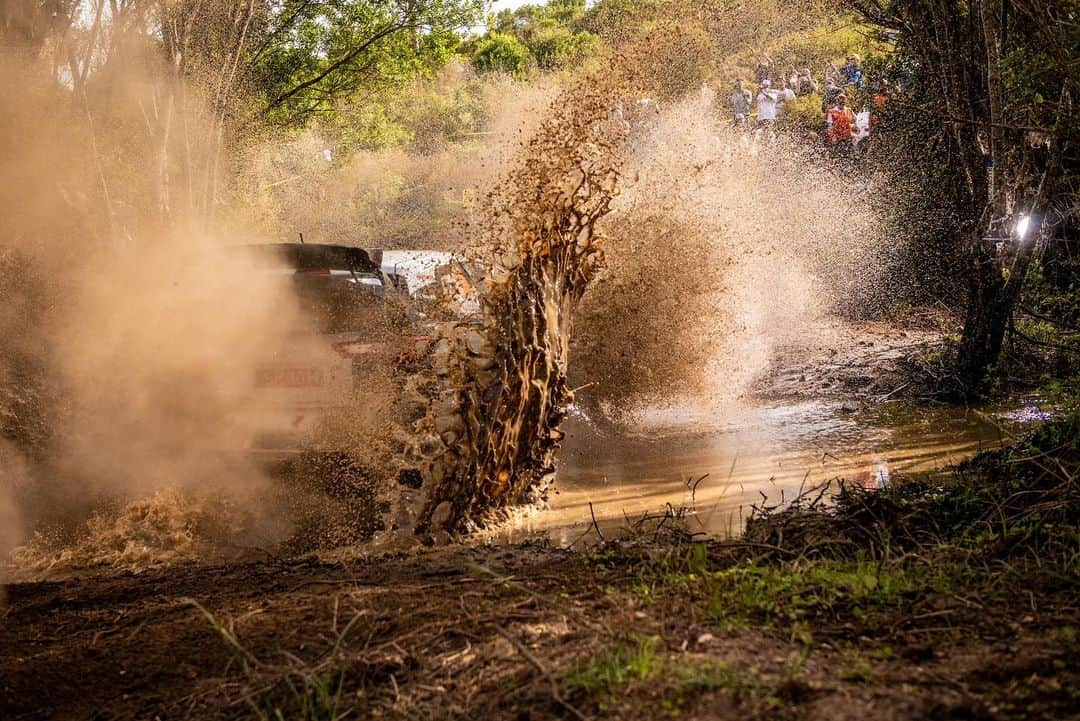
848	110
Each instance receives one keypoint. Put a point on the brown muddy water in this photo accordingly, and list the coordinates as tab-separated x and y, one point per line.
718	465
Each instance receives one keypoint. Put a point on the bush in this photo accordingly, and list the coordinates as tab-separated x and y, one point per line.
558	48
500	52
822	45
803	114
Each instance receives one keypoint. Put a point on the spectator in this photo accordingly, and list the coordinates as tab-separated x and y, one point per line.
805	85
783	95
881	96
831	74
860	133
829	98
851	73
740	105
878	103
767	101
764	69
838	124
793	78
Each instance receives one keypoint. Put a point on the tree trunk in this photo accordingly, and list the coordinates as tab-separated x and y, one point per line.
995	291
988	314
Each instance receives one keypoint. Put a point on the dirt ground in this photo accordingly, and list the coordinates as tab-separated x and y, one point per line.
871	361
524	632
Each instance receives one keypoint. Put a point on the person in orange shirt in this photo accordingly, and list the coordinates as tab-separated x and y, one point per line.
839	122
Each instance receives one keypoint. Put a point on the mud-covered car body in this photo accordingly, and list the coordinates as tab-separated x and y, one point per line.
363	316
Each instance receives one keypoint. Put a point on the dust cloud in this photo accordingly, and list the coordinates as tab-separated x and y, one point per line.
132	334
129	333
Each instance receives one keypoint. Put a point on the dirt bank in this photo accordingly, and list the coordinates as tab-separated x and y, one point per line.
482	633
973	629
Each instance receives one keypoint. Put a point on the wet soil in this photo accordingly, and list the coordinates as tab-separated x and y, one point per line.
843	401
515	632
858	363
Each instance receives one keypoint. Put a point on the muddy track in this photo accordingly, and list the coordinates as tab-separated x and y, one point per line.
860	362
497	633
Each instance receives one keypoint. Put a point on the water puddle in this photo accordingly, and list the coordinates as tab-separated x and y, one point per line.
719	465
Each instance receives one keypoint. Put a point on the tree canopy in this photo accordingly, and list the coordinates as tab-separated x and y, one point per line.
315	52
545	37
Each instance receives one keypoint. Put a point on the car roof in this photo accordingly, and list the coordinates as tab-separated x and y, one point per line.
311	256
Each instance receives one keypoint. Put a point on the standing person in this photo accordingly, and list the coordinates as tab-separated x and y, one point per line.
829	98
851	73
767	101
831	74
860	133
806	84
740	105
793	79
881	97
764	69
877	104
838	126
784	95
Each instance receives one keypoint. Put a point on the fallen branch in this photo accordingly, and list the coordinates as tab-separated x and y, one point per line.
554	686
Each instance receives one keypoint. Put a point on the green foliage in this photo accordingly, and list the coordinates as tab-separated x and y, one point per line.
423	116
640	664
436	116
687	682
823	44
328	50
500	52
770	594
804	114
369	121
549	37
1045	343
527	20
1035	79
557	48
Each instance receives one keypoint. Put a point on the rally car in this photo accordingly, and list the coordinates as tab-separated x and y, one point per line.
363	313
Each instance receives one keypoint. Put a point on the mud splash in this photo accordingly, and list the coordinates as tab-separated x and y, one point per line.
162	528
492	433
489	438
724	248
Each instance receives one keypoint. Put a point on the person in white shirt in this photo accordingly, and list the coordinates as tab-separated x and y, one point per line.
767	101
